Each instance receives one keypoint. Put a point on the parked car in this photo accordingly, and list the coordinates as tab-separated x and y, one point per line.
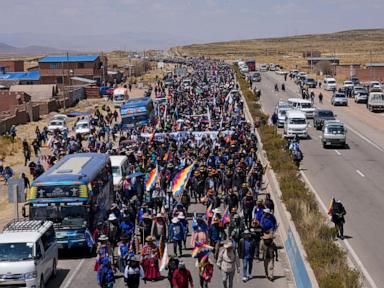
310	82
57	124
355	80
348	84
256	77
334	134
339	99
375	84
83	127
60	117
264	68
360	93
322	115
375	101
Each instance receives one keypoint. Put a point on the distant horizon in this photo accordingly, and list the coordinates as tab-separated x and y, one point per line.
142	24
91	50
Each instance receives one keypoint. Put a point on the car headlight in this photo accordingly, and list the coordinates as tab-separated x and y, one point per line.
30	275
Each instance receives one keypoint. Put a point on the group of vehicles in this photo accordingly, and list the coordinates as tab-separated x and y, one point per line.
293	114
63	206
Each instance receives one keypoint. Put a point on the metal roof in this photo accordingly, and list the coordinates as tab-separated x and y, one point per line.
85	80
69	58
326	58
31	75
136	102
85	167
375	65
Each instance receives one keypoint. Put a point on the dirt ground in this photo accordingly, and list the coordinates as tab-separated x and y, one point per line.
16	159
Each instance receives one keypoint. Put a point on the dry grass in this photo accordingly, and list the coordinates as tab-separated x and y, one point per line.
356	46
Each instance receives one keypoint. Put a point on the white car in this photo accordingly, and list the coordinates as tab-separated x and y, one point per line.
60	117
57	124
375	84
83	127
348	84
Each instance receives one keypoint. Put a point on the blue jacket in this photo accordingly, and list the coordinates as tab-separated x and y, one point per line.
176	232
214	233
105	275
268	222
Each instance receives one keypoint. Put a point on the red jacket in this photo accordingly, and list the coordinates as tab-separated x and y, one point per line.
181	278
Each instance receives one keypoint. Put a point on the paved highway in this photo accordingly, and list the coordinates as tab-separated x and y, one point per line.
353	175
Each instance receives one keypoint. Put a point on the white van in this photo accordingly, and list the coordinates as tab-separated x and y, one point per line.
28	254
329	84
120	95
119	170
303	105
295	124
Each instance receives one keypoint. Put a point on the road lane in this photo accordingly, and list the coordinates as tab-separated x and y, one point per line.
353	175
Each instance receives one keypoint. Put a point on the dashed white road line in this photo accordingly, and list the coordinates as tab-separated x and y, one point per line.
352	252
365	138
70	279
360	173
337	152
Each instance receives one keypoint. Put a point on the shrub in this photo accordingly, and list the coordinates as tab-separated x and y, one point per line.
327	259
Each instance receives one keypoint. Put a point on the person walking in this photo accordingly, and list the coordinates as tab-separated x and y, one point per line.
105	275
133	272
205	271
268	251
337	212
228	263
182	277
321	98
246	252
26	152
176	235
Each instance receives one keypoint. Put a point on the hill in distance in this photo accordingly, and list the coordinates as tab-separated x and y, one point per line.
33	50
353	46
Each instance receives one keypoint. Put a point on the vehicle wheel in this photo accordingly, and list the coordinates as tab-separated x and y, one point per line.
54	269
42	284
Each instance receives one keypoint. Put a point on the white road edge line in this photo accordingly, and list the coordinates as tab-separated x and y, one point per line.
365	138
337	152
359	172
70	279
346	242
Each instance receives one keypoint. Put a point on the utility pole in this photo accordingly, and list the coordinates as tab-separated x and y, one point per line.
63	83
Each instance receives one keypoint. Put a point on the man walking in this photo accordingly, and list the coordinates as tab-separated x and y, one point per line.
228	263
337	212
268	251
182	277
246	252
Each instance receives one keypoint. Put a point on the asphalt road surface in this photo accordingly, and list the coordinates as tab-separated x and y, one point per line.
354	174
76	271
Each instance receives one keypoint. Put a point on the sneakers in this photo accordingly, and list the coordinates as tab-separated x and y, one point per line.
245	279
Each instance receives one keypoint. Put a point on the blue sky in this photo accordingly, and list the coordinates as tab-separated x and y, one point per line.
183	21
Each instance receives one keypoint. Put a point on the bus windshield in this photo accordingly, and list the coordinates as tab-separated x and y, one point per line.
65	215
134	119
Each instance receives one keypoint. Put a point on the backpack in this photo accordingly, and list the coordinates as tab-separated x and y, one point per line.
208	272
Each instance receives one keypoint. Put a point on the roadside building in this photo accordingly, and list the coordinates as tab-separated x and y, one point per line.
44	95
16	108
312	61
60	69
12	65
365	73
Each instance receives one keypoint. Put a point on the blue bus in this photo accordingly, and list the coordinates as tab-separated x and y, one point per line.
75	194
137	111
